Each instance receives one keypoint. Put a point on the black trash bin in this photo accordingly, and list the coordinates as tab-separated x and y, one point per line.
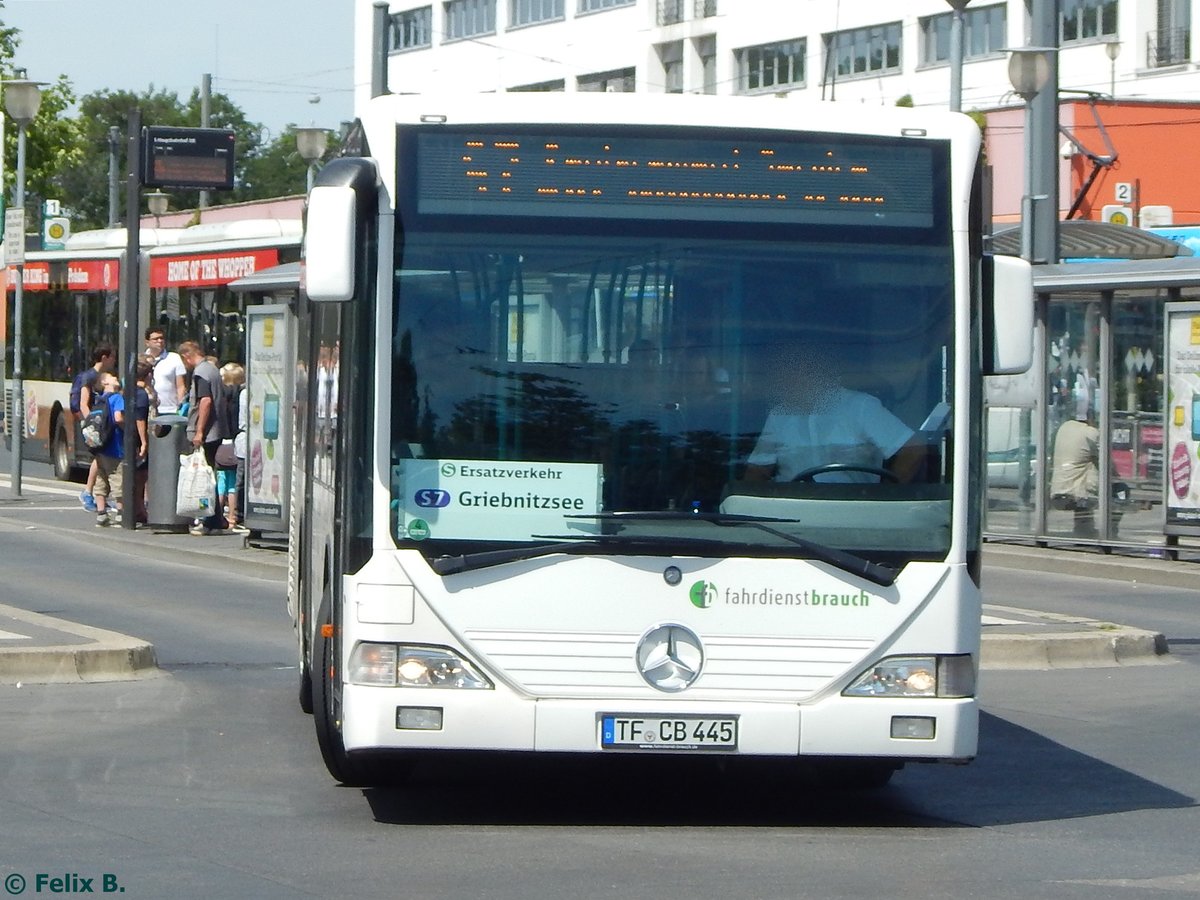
168	439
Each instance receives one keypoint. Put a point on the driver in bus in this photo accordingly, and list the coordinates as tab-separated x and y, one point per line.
820	430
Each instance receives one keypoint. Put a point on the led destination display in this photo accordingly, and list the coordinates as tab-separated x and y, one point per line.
805	181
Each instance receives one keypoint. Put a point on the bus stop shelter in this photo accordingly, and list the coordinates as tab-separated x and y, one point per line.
1100	354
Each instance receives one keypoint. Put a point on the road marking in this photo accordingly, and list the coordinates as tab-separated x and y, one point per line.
996	620
11	636
43	486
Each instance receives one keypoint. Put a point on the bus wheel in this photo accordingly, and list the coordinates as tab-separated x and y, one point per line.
60	451
306	682
350	770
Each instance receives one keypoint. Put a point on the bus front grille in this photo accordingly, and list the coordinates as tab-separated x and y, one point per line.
580	664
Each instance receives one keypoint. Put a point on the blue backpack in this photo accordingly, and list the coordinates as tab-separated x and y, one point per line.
88	376
97	424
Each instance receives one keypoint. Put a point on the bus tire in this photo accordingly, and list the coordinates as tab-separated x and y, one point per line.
60	451
306	682
352	770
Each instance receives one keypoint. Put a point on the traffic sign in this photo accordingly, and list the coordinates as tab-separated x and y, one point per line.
14	237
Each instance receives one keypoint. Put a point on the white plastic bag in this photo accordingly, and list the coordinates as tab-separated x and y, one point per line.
196	497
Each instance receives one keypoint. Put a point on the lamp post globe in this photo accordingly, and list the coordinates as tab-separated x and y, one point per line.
157	202
1029	70
311	142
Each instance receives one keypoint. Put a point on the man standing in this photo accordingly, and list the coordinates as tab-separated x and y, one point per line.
205	401
169	371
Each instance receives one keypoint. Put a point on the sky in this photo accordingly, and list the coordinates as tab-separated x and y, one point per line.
280	61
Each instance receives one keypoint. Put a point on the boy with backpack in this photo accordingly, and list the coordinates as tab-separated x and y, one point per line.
83	392
106	423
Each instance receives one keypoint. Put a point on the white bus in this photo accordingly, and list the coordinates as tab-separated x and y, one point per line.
539	507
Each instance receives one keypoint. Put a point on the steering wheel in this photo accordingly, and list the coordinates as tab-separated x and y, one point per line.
810	474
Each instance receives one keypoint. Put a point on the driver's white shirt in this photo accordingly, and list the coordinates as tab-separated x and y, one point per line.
847	427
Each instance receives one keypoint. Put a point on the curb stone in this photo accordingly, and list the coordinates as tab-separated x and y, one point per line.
82	654
1054	641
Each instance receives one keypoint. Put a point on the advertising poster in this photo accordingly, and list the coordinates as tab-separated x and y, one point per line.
270	359
1181	447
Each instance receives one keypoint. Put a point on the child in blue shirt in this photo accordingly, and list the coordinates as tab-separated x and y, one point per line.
110	454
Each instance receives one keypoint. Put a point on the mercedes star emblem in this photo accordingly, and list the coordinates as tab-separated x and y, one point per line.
670	657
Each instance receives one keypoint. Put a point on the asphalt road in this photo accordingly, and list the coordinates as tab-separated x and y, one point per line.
205	781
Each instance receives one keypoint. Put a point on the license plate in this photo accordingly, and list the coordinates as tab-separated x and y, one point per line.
628	732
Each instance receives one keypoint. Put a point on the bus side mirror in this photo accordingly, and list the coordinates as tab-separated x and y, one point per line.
1007	315
329	252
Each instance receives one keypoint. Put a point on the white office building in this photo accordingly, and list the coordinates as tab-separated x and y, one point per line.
849	51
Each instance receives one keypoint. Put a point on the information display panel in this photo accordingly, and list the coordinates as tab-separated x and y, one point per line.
795	179
188	158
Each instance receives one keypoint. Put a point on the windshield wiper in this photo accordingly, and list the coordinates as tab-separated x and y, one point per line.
565	543
452	565
884	576
587	543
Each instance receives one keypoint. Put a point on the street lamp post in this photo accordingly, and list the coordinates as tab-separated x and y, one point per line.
1028	71
956	52
1113	49
310	143
21	100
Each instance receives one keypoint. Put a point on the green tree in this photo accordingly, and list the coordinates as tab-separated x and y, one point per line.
87	184
52	142
278	170
101	111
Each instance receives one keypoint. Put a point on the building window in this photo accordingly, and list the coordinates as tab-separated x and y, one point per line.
617	81
670	57
411	29
863	51
771	65
530	12
586	6
984	31
670	12
706	51
468	18
542	87
1087	20
706	8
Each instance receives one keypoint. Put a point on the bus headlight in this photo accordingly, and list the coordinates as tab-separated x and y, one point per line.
916	676
409	665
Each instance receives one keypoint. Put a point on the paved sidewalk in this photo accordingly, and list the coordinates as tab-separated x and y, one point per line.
37	648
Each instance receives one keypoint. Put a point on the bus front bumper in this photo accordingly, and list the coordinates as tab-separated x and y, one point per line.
384	718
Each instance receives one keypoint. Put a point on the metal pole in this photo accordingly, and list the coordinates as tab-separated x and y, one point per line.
205	100
1027	198
379	55
18	391
131	279
114	203
956	53
1044	136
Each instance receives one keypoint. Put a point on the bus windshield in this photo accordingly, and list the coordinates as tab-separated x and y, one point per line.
658	386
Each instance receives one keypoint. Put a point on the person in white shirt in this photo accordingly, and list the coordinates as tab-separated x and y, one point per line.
816	422
169	371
